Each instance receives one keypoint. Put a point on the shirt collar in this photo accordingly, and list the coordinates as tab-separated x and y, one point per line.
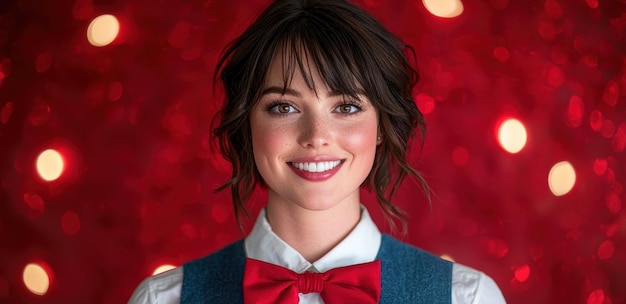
360	246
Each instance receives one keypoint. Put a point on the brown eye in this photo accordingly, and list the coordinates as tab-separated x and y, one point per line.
282	108
347	109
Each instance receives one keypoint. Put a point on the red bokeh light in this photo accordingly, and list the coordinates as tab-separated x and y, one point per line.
555	76
34	201
592	3
596	297
613	203
5	113
611	93
5	68
501	53
39	113
43	62
595	120
608	128
495	247
575	111
619	138
522	273
70	222
460	156
599	166
115	91
425	103
606	250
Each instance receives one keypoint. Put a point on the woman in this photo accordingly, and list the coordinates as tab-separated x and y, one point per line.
318	103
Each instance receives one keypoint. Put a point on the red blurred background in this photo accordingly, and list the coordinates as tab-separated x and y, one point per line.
131	120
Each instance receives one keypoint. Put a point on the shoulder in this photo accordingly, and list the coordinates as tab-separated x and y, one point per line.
464	284
230	256
215	278
412	275
394	246
167	287
471	286
400	254
161	288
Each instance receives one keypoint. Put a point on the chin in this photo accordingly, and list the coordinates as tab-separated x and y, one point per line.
320	204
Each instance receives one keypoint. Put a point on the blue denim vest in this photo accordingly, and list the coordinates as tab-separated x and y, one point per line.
408	275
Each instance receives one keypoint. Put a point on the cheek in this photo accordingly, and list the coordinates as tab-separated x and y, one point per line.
267	141
361	138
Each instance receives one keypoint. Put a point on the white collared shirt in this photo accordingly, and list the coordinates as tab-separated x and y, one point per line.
469	286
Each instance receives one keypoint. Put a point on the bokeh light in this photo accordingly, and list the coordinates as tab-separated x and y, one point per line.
606	250
50	165
575	111
596	297
522	273
561	178
512	135
5	113
36	279
163	268
501	53
444	8
34	201
425	103
460	156
70	222
103	30
447	257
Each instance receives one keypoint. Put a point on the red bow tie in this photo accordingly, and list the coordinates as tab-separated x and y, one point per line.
268	283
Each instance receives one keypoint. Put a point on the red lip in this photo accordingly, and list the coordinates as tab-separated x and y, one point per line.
315	159
316	176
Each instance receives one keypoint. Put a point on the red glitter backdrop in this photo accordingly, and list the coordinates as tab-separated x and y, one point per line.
131	121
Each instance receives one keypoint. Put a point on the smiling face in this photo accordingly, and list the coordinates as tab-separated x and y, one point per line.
312	147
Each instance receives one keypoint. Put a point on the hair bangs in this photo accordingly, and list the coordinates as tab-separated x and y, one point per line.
305	48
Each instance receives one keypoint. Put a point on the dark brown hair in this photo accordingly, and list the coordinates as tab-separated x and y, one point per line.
352	52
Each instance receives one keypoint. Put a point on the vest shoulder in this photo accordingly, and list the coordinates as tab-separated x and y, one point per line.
412	275
232	253
215	278
394	249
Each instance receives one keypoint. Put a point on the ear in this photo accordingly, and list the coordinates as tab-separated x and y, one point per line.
379	139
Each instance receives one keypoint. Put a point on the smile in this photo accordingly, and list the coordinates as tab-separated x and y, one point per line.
316	166
316	171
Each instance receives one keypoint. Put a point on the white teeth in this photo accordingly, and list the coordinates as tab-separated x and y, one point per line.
317	167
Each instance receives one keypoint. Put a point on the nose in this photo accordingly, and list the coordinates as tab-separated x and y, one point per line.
314	131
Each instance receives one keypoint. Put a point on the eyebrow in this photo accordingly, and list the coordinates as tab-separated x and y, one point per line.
281	91
289	91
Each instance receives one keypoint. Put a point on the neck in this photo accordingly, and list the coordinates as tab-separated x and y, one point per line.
313	233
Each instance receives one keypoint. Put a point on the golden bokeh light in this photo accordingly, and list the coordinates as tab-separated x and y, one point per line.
512	135
561	178
36	279
447	257
103	30
163	268
50	165
444	8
